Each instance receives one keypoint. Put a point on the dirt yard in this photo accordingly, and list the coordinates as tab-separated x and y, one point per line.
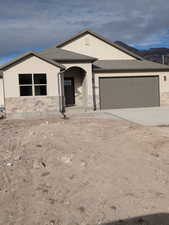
82	171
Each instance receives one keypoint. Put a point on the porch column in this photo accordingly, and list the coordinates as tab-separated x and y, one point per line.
89	88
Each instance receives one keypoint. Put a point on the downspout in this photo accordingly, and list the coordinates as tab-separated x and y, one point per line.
94	92
61	93
4	109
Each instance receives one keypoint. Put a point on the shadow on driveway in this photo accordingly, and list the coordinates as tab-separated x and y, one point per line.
154	219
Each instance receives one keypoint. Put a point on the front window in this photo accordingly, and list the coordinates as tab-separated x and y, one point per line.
32	84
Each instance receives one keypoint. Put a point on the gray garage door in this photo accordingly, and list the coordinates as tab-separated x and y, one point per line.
128	92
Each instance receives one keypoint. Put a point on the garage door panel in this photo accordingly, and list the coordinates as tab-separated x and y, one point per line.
127	92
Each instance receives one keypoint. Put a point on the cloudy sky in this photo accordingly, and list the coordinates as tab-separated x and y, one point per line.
36	24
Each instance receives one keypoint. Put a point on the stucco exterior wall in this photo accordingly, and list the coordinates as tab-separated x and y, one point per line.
31	65
17	103
94	47
1	92
163	85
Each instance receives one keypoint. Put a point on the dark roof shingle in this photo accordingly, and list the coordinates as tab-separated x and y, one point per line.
61	55
128	65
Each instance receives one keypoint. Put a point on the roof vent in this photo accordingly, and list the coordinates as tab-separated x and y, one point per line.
87	42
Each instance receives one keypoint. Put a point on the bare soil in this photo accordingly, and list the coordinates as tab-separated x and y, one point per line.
81	171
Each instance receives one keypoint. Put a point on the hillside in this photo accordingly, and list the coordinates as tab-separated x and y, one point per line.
152	54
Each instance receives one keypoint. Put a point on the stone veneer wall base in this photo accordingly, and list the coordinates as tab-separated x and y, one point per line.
31	104
164	99
39	107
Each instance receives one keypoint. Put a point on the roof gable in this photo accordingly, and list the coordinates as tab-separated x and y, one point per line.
89	32
26	56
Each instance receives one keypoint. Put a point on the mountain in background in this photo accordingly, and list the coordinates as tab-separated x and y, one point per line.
152	54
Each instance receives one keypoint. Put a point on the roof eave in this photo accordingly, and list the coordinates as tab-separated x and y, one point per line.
129	70
1	74
22	57
76	60
74	37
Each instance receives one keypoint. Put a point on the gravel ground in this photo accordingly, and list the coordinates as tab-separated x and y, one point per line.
82	171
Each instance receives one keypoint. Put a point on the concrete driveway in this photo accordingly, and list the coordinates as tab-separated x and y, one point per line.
153	116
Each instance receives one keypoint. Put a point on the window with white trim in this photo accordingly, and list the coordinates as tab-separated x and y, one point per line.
33	84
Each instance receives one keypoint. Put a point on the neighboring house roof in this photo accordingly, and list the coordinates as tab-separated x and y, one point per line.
61	44
1	73
27	55
128	65
61	55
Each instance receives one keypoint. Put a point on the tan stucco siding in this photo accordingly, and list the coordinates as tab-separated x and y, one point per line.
163	85
1	92
30	65
94	47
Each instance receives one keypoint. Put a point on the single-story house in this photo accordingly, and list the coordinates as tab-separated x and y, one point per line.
87	71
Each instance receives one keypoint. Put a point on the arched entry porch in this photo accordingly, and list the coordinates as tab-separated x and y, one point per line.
75	87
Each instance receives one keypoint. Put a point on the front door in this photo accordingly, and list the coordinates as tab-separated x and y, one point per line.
69	91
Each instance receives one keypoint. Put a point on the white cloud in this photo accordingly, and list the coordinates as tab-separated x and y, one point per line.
26	25
153	40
